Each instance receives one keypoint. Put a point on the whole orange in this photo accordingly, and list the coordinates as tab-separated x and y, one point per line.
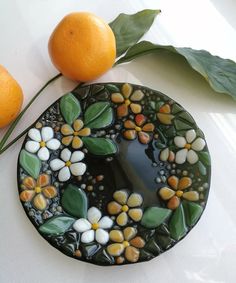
82	46
11	98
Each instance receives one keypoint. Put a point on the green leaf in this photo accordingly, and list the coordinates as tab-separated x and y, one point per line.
100	146
192	212
220	73
177	224
31	163
112	88
57	225
205	158
74	201
98	115
154	216
129	29
70	108
201	168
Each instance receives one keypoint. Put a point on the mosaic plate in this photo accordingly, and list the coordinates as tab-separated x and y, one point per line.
114	173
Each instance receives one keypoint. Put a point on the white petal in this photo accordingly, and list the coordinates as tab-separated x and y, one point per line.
77	156
57	164
53	144
35	135
87	237
198	144
47	133
164	155
78	169
180	141
190	135
101	236
105	222
64	174
94	215
43	154
82	225
65	154
32	146
180	156
192	156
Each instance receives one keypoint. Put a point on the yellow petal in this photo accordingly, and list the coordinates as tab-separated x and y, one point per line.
137	242
67	140
173	203
115	249
184	183
122	219
117	97
113	208
116	236
165	109
191	196
136	108
143	137
165	118
77	143
134	200
40	202
29	183
130	134
43	180
126	90
129	233
173	181
135	214
137	95
49	192
78	125
122	110
166	193
27	195
132	254
121	197
149	127
128	124
84	132
66	130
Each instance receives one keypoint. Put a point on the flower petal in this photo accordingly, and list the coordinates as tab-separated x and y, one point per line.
66	130
166	193
173	203
135	108
113	208
57	164
78	169
101	236
116	236
137	242
122	219
140	119
29	183
164	155
130	134
180	141
184	183
49	192
27	195
87	237
77	142
191	196
192	156
190	135
165	109
129	233
84	132
143	137
117	97
165	119
135	214
128	124
65	154
132	254
47	133
181	156
134	200
40	202
94	215
32	146
82	225
126	90
53	144
173	181
64	174
149	127
43	180
67	140
121	196
122	110
78	125
137	95
77	156
105	222
198	144
43	154
35	135
115	249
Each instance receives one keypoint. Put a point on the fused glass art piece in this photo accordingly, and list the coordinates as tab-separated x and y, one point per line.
114	173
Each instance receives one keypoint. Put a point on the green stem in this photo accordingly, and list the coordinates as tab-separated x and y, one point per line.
13	125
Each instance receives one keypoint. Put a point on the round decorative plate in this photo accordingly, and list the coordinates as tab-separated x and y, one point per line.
114	173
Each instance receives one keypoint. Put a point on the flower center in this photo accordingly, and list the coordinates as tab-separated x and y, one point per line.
179	194
95	226
125	208
42	144
138	129
68	163
76	133
127	102
125	244
37	190
187	146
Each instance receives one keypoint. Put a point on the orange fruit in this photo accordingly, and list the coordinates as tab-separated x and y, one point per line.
11	98
82	46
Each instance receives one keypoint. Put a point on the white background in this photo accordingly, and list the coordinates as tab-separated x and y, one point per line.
208	253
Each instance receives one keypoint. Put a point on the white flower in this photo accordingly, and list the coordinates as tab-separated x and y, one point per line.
189	144
41	142
93	228
69	164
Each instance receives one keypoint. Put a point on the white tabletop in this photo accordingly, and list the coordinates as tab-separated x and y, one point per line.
208	253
